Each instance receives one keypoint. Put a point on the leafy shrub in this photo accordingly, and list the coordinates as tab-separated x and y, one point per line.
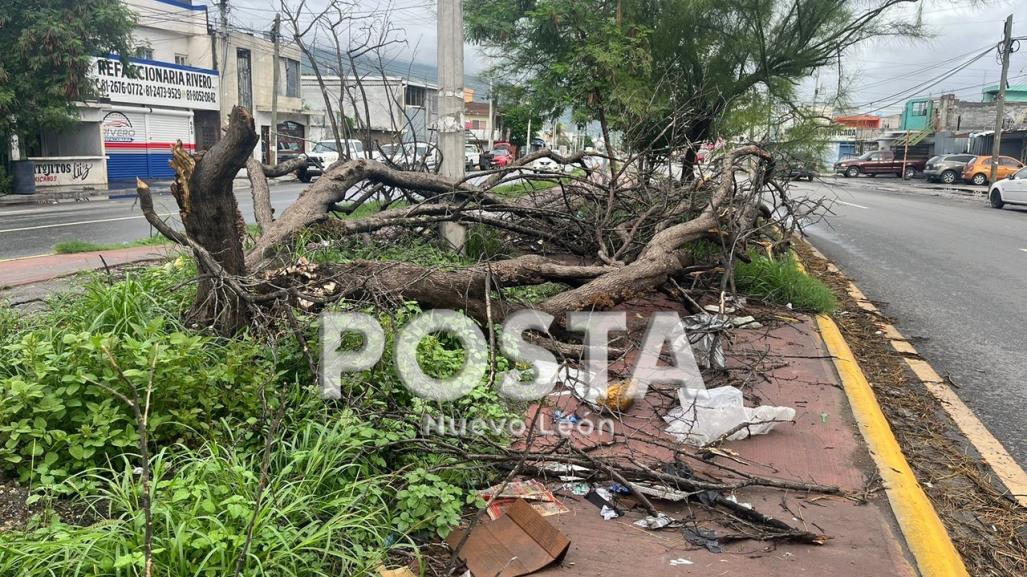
325	512
780	281
57	414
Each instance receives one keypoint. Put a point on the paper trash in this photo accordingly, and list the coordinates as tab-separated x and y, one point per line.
705	415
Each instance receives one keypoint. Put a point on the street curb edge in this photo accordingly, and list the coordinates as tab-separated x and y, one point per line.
922	528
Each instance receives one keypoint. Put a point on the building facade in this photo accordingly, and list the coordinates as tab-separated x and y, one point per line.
165	92
248	81
389	109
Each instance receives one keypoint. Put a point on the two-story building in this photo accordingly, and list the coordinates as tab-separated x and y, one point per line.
248	81
388	108
167	91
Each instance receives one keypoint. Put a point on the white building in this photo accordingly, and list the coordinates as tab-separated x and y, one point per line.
248	80
167	92
394	109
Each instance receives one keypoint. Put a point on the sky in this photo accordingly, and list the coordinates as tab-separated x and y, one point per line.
878	75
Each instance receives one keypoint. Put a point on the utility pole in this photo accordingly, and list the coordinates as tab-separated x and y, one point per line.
1000	109
223	10
527	141
273	131
450	126
492	119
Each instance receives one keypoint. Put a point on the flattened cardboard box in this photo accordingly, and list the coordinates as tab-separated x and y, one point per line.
518	543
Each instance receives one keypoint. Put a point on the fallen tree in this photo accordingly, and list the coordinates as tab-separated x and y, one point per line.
607	235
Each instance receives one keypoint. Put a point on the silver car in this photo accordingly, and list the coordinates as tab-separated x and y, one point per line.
947	168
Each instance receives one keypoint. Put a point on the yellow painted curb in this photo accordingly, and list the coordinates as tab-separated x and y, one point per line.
923	530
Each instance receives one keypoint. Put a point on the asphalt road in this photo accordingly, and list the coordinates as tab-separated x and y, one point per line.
952	272
33	230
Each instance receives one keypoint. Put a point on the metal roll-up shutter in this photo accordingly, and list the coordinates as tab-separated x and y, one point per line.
165	127
124	138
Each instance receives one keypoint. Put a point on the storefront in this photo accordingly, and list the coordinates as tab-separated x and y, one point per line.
153	105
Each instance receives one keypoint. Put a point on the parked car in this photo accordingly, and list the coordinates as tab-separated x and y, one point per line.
508	146
947	168
545	164
500	157
799	171
472	156
389	154
1012	190
978	170
324	154
879	162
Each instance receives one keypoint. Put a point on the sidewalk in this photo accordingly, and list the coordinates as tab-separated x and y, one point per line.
29	270
120	189
785	363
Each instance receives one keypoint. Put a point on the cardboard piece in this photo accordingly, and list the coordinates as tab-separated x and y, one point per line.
542	500
518	543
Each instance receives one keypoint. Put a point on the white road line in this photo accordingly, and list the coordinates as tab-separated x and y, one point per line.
836	200
81	222
1024	249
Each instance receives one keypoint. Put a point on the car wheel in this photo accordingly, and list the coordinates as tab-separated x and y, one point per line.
910	172
979	179
304	176
996	199
852	172
948	177
810	178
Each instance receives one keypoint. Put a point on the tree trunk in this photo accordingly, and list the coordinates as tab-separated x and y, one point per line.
210	214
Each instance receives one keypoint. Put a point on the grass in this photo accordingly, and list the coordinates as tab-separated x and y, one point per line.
780	281
75	245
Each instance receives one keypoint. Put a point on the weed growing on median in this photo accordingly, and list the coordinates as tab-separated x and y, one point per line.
780	281
75	245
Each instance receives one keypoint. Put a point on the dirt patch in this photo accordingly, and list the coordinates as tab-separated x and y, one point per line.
987	526
14	512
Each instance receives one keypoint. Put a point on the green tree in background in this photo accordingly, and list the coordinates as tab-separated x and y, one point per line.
666	72
47	49
516	113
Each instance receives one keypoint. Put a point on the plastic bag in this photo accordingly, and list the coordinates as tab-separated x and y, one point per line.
705	415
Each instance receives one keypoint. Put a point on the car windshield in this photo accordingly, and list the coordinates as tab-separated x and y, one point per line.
500	152
355	146
867	156
325	146
391	149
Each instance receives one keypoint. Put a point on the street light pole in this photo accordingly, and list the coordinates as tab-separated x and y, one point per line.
450	125
1000	109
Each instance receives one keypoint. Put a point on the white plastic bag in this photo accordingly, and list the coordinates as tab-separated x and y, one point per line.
705	415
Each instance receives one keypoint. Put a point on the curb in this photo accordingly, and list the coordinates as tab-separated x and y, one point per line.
925	534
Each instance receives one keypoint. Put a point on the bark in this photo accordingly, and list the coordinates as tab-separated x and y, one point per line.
210	215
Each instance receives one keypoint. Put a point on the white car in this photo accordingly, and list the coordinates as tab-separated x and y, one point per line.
545	165
472	156
324	154
1012	190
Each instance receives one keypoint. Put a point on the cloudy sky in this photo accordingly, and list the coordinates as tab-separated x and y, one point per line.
879	75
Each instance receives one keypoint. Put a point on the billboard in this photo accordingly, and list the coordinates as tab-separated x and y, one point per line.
151	83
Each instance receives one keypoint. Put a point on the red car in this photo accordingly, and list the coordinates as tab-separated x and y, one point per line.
500	157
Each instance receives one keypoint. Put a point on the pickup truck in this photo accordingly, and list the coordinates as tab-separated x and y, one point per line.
879	162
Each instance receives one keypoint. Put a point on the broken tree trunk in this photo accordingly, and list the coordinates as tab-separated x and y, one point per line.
210	215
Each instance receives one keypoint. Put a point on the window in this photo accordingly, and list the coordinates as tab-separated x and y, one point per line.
1006	161
245	78
144	52
182	59
918	108
413	96
478	125
292	78
1021	174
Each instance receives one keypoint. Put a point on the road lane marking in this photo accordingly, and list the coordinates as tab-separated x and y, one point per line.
79	223
851	204
1024	249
